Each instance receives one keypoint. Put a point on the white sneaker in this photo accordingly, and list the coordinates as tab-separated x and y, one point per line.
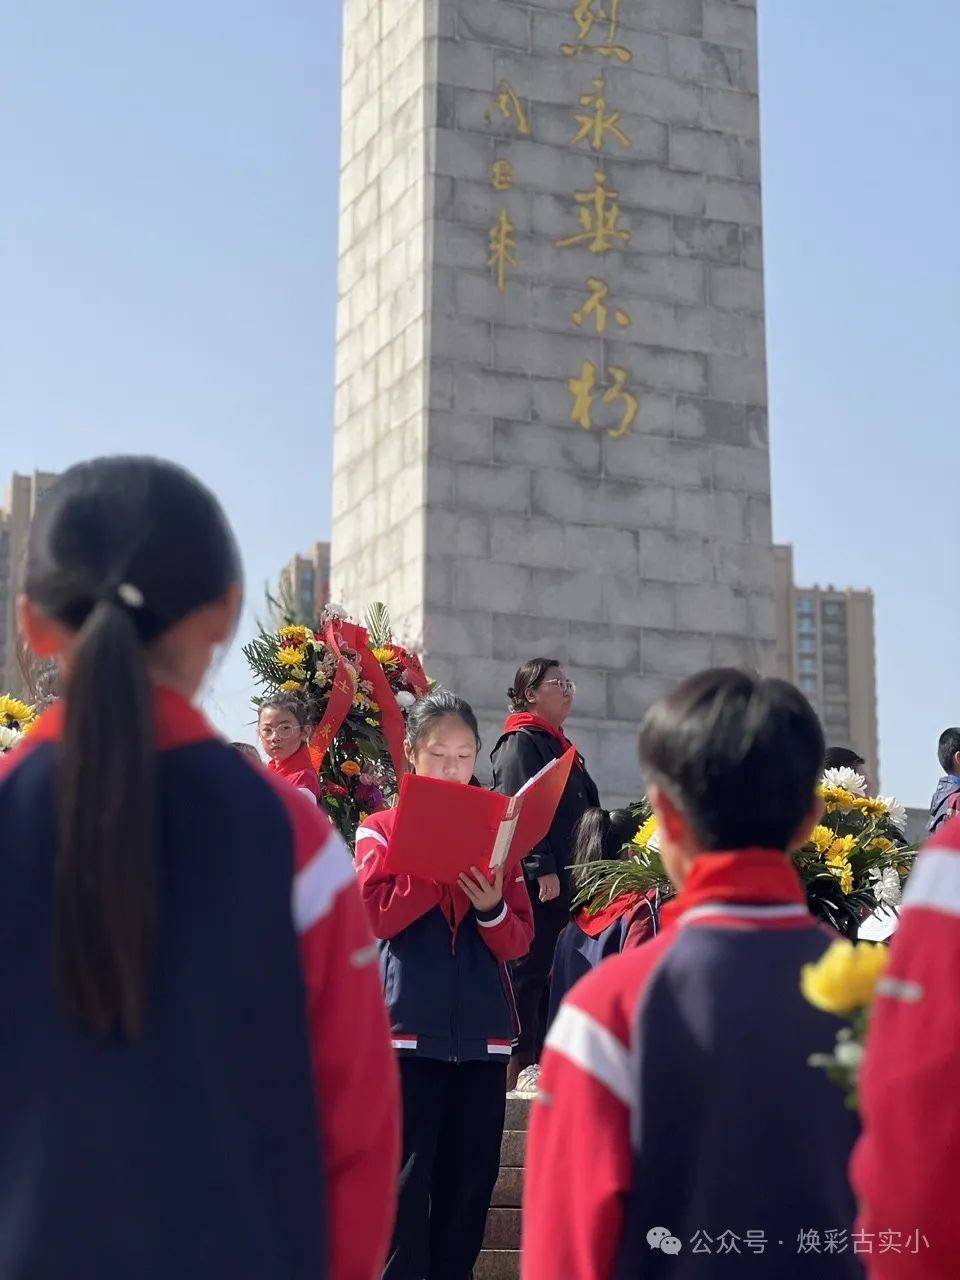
528	1080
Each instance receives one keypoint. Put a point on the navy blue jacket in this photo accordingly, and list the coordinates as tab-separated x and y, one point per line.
946	801
443	963
194	1151
681	1071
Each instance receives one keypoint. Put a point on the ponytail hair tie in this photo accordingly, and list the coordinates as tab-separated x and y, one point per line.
128	594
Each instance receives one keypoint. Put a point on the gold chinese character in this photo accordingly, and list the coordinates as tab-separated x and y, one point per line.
597	215
586	14
502	245
617	392
582	390
510	107
598	122
502	175
596	306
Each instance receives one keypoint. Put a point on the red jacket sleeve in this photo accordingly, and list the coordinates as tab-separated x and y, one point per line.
578	1163
353	1063
509	932
906	1168
392	901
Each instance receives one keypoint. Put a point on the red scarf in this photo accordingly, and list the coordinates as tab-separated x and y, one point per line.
527	720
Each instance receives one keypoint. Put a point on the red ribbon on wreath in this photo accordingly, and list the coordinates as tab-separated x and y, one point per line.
340	701
351	635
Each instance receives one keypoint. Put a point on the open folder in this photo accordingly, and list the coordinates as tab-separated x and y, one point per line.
444	828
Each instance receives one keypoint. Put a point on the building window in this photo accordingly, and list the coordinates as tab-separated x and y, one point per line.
808	684
808	665
807	644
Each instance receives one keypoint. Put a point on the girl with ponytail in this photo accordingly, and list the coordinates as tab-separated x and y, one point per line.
163	1008
630	920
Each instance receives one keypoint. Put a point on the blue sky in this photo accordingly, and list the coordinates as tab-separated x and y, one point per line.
168	265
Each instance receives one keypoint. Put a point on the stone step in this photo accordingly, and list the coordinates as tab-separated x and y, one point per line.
518	1110
508	1193
512	1149
498	1264
503	1229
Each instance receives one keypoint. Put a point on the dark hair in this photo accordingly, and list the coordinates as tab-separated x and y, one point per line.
842	758
120	550
947	748
601	834
437	705
286	702
530	676
739	754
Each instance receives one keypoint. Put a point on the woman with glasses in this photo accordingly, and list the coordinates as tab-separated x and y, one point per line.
541	700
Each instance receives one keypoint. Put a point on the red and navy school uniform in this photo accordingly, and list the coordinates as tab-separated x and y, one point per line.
676	1093
453	1023
252	1130
299	771
628	921
907	1165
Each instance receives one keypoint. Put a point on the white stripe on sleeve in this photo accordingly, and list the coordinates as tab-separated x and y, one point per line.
315	887
935	882
368	833
497	919
594	1049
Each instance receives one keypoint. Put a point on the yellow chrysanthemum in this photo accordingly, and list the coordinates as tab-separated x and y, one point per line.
872	808
845	978
880	845
291	686
821	839
350	769
843	871
841	847
647	832
385	656
15	714
290	657
300	635
837	798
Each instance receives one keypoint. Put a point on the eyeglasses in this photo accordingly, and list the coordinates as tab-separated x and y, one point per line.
565	686
278	731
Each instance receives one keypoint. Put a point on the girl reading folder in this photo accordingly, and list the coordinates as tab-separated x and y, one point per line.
443	955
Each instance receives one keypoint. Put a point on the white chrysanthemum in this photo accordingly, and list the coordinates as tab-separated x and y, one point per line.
8	738
897	812
846	778
405	699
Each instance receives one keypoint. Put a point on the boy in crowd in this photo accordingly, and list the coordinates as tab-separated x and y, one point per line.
946	799
679	1125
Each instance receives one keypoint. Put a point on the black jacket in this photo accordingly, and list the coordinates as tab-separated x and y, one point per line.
516	758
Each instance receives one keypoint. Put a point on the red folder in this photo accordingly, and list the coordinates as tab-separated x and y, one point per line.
444	828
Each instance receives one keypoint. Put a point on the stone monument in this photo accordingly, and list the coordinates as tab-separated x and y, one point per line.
551	429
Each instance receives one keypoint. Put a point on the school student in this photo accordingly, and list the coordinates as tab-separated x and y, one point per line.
628	921
195	1070
679	1127
283	728
443	954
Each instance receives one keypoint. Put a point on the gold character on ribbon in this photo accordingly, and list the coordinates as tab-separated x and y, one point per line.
596	306
510	107
596	124
598	215
501	177
502	246
586	14
584	388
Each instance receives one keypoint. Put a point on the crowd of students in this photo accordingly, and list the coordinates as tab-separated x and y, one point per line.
229	1050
